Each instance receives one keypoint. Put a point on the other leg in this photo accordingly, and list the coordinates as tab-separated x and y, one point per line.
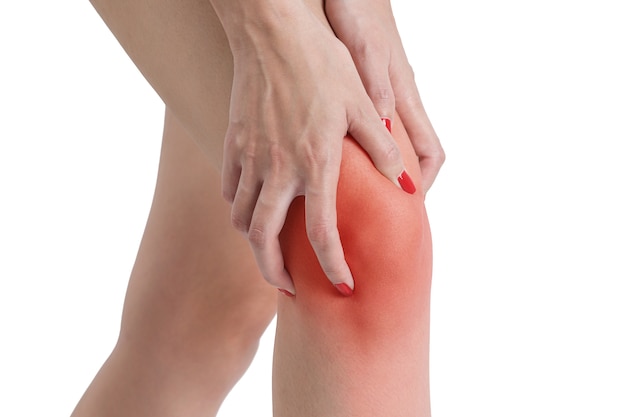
196	304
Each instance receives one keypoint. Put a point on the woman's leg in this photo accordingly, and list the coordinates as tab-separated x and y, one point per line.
366	355
196	304
181	49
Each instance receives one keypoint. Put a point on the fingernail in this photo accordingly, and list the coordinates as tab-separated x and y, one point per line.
287	293
387	122
406	182
344	289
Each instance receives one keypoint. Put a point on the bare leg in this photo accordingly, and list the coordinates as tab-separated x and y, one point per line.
196	304
366	355
181	49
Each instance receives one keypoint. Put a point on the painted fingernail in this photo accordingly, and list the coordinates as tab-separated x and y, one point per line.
287	293
406	182
387	122
344	289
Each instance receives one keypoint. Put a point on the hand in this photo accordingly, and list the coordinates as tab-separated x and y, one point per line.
296	93
368	29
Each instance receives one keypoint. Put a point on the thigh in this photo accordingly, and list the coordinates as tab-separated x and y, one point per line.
182	50
195	279
196	304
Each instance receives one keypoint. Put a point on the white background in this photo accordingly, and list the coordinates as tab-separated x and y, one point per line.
528	301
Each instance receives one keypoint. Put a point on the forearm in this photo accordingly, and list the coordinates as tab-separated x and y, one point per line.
366	354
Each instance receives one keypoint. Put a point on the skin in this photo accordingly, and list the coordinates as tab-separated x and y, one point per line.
368	29
197	302
284	136
368	354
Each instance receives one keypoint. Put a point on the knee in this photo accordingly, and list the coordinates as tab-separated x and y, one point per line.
386	241
197	330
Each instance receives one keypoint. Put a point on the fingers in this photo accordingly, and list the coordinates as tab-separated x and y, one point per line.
231	169
258	211
265	225
386	156
321	227
260	203
377	141
364	28
372	65
245	200
369	32
422	134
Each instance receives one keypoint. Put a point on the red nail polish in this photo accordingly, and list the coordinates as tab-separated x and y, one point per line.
387	122
406	182
344	289
287	293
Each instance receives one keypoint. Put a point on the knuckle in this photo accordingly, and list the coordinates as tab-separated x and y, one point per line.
437	154
440	156
391	153
367	49
277	158
239	223
360	50
234	136
382	94
317	156
257	236
235	127
249	155
319	234
230	140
